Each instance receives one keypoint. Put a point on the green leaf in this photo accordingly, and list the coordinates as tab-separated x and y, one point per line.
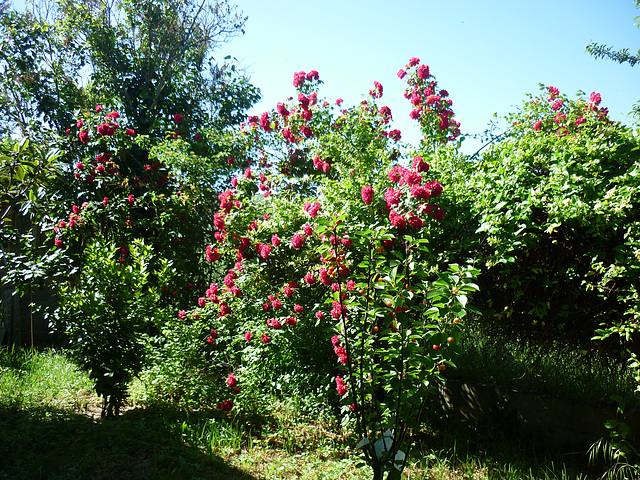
611	423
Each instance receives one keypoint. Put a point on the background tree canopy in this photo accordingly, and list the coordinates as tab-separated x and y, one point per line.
148	60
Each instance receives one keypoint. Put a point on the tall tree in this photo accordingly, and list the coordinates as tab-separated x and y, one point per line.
38	72
149	59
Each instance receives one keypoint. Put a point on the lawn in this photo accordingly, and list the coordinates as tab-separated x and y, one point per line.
50	429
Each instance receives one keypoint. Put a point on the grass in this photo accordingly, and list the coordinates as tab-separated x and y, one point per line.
43	379
46	432
579	374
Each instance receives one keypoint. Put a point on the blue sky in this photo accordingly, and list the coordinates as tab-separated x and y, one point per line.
487	54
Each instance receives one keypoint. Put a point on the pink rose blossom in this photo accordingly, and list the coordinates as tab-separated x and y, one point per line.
415	222
420	165
397	220
341	387
423	72
306	131
377	90
395	135
306	228
264	250
212	253
392	196
273	323
312	209
420	192
298	79
367	194
435	188
297	241
324	276
282	110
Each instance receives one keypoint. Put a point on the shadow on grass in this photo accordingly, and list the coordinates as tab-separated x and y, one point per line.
140	444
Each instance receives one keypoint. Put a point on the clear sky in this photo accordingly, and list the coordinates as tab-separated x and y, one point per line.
487	54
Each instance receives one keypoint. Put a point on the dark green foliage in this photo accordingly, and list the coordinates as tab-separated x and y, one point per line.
550	215
38	69
109	317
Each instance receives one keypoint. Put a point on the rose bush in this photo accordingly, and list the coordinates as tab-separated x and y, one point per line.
325	236
122	188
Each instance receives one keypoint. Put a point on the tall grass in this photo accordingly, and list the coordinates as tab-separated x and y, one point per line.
30	377
579	373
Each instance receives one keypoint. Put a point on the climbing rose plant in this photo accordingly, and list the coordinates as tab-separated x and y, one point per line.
325	233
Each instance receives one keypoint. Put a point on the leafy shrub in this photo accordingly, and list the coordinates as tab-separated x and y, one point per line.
109	315
328	235
549	214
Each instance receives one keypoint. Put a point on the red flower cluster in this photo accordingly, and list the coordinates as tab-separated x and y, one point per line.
312	209
320	164
367	194
297	241
264	250
376	91
341	387
339	350
430	106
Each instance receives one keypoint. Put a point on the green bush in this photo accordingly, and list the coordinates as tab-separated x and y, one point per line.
550	215
109	316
